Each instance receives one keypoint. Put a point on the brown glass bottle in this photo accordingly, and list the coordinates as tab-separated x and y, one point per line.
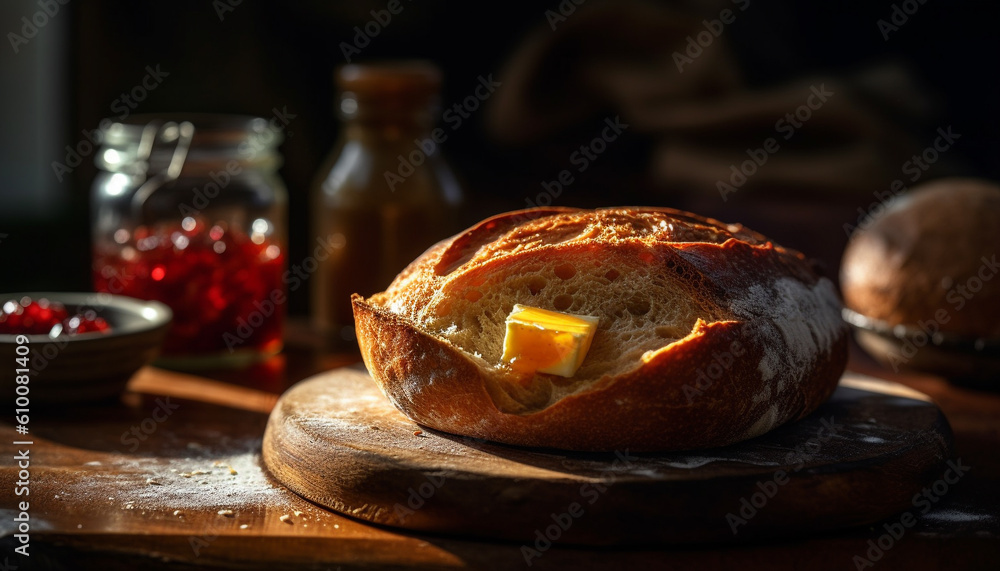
385	194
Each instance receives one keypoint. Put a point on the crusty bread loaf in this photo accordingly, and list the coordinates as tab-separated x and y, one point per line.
709	334
930	258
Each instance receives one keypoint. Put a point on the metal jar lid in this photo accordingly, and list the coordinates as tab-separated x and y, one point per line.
189	143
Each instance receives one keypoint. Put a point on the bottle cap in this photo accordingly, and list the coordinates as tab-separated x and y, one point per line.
388	88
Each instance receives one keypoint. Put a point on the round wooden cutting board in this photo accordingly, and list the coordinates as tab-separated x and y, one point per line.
337	441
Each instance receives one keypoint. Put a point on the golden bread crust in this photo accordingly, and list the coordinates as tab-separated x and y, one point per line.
755	339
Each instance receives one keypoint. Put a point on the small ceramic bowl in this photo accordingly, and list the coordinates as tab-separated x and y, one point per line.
966	361
85	366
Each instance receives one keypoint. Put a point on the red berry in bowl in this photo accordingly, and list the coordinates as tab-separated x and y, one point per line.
27	316
42	316
85	324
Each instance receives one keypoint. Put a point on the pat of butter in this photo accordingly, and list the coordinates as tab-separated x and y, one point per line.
547	341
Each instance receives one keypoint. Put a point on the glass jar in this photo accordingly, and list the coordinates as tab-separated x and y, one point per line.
189	211
385	194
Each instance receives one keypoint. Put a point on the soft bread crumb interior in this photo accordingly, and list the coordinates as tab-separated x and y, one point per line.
615	268
639	308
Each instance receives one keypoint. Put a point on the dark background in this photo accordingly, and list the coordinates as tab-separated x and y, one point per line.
275	54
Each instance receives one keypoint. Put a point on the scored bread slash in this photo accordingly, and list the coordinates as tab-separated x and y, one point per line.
710	333
544	341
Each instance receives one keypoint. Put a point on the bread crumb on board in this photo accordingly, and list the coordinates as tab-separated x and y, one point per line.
227	513
244	526
286	519
178	513
220	463
418	432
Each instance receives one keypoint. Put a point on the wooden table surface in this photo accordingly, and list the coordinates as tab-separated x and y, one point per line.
170	477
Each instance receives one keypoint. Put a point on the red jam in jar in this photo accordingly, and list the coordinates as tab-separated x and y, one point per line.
190	211
225	287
